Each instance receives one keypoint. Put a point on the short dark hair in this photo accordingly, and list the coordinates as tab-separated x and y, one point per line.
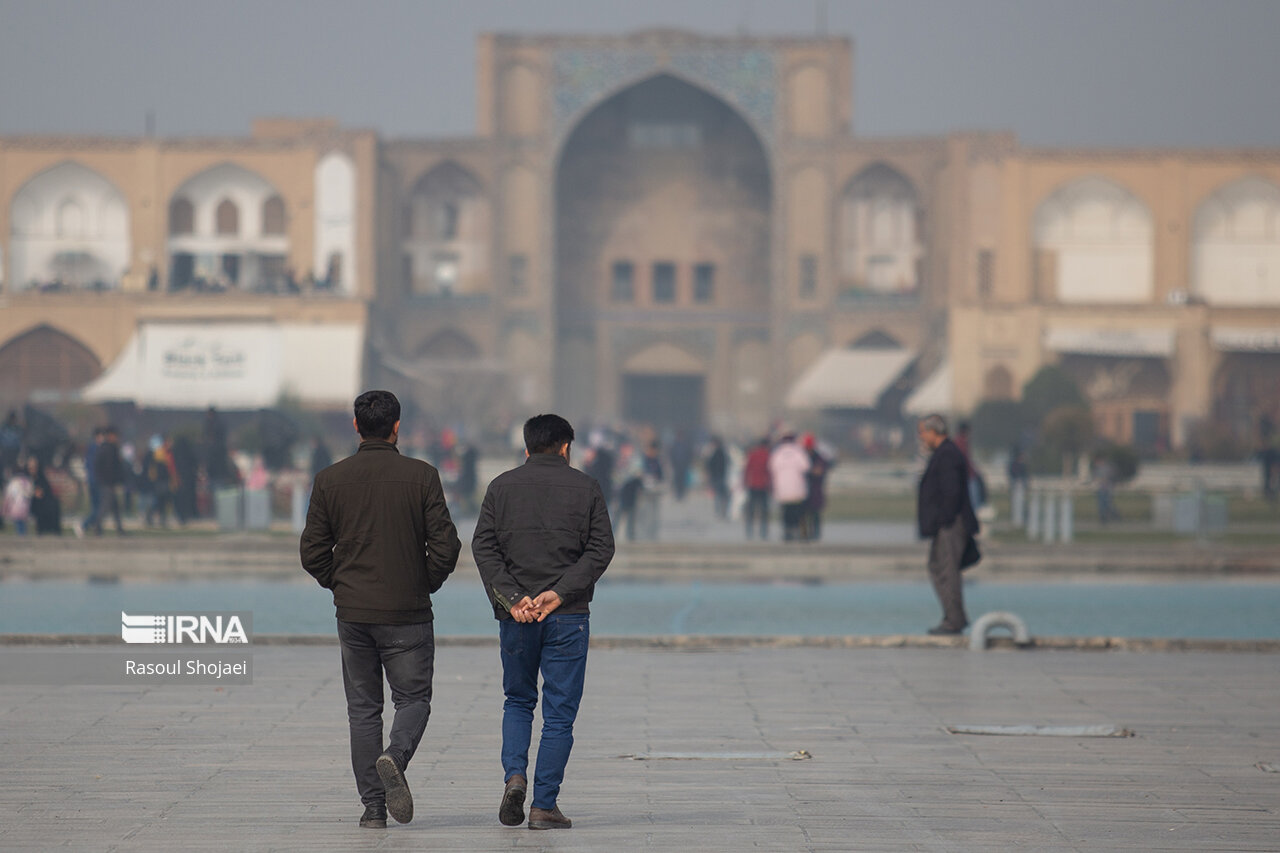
376	414
546	434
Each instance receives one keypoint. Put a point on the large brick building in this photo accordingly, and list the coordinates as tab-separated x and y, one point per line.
657	227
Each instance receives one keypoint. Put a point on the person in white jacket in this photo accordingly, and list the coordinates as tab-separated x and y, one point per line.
788	464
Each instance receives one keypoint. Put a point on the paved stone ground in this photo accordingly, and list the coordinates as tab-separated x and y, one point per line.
264	767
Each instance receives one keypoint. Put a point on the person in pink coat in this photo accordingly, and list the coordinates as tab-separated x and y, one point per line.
788	465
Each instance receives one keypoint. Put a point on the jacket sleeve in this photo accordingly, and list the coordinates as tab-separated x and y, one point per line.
443	546
316	545
582	575
490	560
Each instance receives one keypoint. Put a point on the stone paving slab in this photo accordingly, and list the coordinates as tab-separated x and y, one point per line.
265	767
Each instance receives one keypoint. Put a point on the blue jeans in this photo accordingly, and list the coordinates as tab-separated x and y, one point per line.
95	506
407	653
558	647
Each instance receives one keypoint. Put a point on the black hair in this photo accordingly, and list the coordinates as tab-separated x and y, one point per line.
546	434
376	414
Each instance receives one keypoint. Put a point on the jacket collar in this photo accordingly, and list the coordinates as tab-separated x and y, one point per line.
376	444
546	459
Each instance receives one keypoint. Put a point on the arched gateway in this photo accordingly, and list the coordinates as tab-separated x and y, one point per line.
662	213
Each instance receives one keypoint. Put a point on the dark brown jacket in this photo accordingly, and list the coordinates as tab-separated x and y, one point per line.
379	535
543	526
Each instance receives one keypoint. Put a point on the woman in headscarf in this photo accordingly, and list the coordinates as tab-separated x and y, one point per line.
46	511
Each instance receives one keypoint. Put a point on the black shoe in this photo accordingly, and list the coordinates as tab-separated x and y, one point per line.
399	800
548	819
511	812
945	631
374	817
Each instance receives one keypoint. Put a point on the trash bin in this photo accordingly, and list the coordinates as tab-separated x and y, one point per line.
228	509
257	509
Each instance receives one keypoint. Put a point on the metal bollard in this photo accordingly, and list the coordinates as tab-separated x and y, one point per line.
1018	503
1050	527
1066	519
998	619
1033	516
298	507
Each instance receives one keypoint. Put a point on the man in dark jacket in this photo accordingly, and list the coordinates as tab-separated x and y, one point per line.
542	542
380	537
108	470
946	517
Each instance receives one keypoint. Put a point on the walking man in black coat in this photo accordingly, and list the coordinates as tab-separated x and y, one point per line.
380	537
946	517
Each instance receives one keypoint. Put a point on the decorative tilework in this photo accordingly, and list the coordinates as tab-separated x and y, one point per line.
580	77
743	77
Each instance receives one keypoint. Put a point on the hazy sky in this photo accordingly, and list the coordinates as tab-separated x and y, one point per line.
1057	72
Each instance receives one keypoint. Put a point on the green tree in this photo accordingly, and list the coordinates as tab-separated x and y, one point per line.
998	424
1065	433
1050	389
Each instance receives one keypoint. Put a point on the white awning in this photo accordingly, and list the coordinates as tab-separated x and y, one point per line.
234	365
1245	339
1146	343
848	379
932	395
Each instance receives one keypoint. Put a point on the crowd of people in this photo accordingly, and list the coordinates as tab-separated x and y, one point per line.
784	469
46	472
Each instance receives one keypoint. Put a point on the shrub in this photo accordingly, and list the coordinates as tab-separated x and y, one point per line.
1123	461
1211	441
998	424
1065	433
1050	389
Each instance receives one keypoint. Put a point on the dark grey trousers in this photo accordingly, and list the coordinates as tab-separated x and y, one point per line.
945	552
408	654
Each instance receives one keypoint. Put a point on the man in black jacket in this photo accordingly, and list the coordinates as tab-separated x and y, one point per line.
108	469
380	537
945	516
542	541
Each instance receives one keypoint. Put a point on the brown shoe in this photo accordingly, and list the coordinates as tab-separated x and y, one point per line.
511	812
548	819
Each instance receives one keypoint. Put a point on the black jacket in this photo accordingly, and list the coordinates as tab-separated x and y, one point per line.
379	535
543	526
944	492
108	466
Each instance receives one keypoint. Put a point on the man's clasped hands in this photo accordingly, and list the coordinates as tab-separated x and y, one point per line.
535	609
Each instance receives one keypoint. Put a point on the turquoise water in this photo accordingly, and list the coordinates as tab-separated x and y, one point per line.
1189	609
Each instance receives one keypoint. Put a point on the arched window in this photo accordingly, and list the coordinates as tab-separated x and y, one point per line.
446	232
439	201
182	217
1094	243
227	219
273	216
68	227
880	241
1237	244
45	359
998	384
241	226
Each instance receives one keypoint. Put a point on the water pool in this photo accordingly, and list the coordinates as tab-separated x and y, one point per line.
1204	609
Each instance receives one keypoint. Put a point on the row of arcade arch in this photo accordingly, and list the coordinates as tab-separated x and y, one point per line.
227	228
1093	239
